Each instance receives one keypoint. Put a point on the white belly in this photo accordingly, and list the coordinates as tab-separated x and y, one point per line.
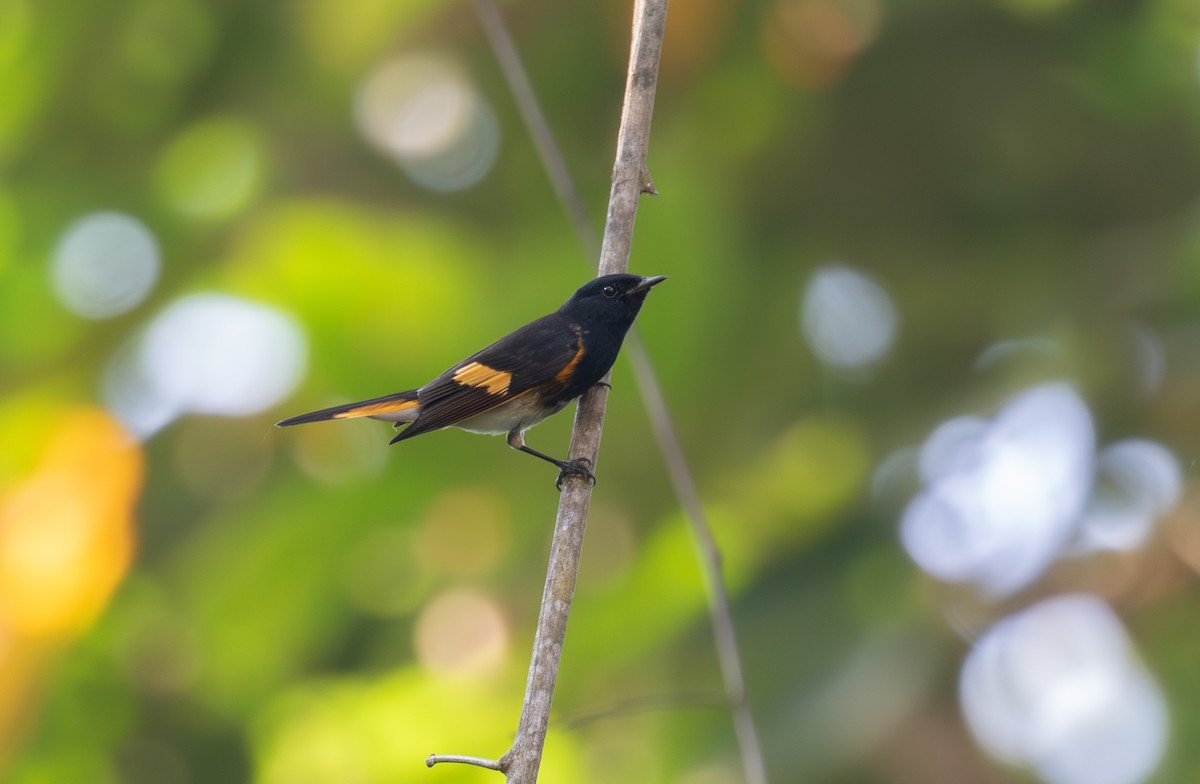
521	414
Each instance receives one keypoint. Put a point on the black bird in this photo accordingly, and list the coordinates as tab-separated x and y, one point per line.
521	379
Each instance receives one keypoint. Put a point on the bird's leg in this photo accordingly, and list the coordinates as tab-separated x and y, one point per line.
580	466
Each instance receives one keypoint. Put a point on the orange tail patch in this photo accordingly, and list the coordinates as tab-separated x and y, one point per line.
382	410
400	407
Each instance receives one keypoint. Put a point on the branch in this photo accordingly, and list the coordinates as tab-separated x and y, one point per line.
630	178
520	764
537	125
633	139
720	614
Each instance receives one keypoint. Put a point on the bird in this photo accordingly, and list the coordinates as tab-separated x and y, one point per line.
524	377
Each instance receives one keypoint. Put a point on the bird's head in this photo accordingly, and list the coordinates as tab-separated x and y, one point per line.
611	298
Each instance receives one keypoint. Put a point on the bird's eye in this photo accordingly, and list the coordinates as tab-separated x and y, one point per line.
610	291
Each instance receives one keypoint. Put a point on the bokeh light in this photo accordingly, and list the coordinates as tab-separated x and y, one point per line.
215	354
611	549
128	392
338	42
1058	688
1002	499
66	530
1137	482
206	354
212	170
461	632
67	539
949	446
812	43
424	113
105	264
848	318
466	531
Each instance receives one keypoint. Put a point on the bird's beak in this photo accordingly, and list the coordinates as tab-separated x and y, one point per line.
647	283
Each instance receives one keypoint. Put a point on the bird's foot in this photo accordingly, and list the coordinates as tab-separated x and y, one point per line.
580	466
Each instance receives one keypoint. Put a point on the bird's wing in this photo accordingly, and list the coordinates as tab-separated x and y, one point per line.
536	358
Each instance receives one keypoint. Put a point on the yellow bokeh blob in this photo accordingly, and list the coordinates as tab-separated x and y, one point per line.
66	530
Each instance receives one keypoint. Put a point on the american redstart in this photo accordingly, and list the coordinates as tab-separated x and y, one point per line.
523	377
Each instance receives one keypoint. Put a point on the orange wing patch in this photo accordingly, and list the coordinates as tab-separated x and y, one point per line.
564	375
476	375
375	409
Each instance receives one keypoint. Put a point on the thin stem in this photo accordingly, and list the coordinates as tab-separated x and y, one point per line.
479	762
720	613
536	123
629	176
721	617
643	704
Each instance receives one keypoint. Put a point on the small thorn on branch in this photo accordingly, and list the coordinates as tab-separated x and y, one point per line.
648	184
478	762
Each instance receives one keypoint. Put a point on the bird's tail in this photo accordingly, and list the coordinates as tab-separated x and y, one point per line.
400	407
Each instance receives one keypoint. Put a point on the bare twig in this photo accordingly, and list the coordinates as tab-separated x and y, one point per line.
633	138
463	759
520	764
721	616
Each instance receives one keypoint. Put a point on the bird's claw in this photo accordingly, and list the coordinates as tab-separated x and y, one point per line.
580	466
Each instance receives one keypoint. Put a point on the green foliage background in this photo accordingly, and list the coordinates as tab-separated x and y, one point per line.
1005	169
